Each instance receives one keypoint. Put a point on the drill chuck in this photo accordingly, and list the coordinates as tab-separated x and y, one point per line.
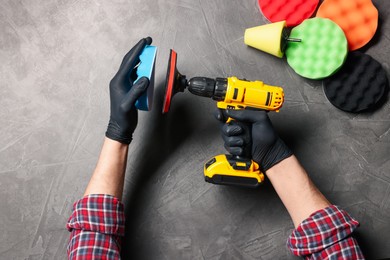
207	87
202	86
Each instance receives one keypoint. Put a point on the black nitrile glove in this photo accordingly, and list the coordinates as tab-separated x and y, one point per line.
253	131
123	95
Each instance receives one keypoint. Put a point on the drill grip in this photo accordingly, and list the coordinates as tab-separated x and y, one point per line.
246	152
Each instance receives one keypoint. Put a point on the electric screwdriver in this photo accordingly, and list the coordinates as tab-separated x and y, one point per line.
234	93
230	93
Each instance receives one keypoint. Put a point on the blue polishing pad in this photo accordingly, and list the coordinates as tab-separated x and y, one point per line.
146	69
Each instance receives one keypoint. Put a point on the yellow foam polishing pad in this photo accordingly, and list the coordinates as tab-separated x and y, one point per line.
266	38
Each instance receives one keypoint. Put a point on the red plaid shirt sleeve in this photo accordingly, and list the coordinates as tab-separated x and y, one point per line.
97	225
326	234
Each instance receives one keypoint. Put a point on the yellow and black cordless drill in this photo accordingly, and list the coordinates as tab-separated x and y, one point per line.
230	93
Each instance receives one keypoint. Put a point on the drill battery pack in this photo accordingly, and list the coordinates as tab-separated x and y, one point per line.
227	169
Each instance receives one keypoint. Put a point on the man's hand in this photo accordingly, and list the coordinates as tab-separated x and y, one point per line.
253	131
123	95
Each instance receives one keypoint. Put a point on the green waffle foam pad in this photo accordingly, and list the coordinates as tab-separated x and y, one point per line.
322	50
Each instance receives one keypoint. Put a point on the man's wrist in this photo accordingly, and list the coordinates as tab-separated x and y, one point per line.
116	144
116	133
281	166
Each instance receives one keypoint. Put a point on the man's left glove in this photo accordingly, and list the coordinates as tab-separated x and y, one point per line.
123	95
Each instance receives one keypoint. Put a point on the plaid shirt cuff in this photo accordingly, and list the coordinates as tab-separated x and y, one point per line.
326	232
100	213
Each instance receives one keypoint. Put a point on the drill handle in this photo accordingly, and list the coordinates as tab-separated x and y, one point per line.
246	135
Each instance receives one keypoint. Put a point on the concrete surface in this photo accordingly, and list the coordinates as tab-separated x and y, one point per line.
57	58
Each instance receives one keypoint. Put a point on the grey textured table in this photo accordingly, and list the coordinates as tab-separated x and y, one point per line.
57	58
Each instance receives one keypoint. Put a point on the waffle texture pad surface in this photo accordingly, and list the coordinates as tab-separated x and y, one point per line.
322	50
291	11
357	18
360	85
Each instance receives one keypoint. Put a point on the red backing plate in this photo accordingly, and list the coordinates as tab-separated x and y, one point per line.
170	81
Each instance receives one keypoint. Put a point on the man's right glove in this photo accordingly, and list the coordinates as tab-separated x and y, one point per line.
252	130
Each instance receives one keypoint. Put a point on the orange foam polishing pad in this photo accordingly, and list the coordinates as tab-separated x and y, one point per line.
357	18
